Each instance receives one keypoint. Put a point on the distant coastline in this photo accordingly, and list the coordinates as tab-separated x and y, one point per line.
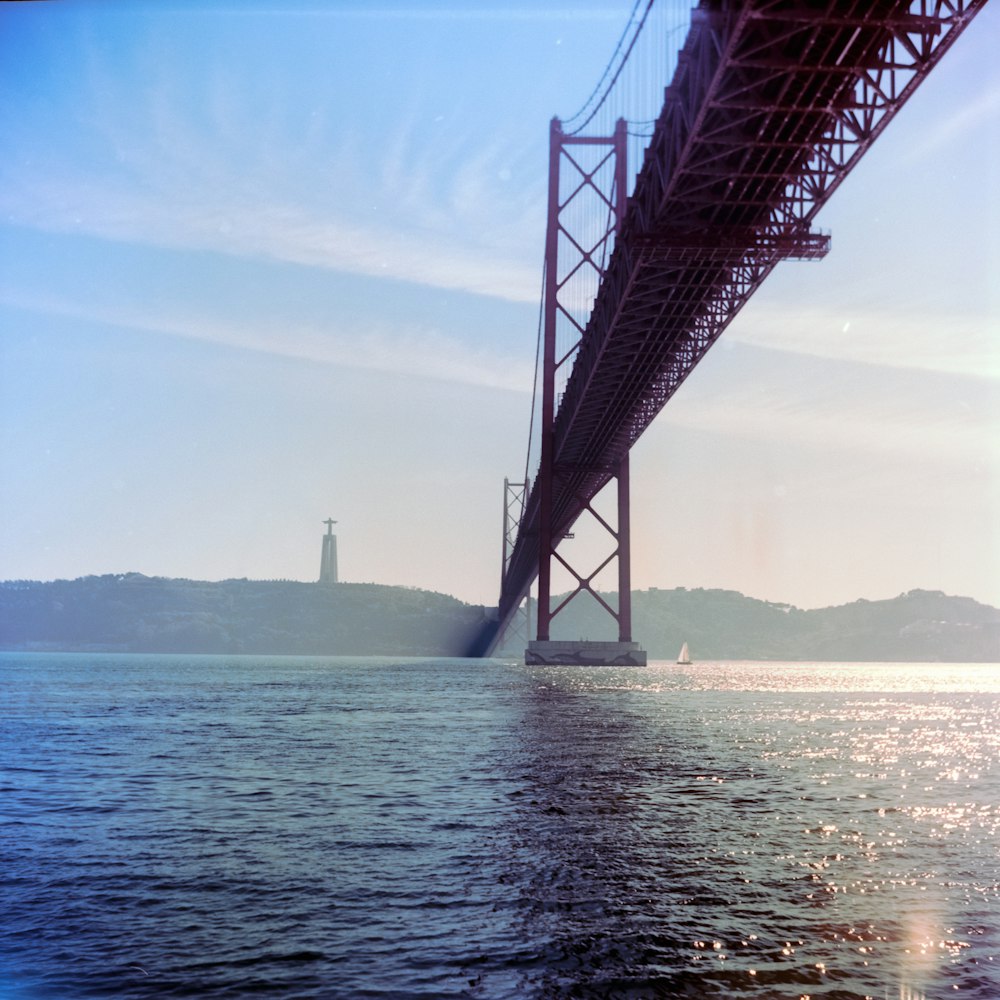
134	613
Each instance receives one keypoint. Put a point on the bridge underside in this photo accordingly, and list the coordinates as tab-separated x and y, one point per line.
772	104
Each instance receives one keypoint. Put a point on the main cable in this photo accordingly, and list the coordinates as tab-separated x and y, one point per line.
607	68
611	86
534	387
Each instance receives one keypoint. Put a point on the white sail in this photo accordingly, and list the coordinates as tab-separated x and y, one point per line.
684	656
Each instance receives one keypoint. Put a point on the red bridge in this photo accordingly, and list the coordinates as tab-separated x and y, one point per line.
772	103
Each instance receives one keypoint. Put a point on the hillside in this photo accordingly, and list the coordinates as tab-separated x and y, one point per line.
723	624
135	613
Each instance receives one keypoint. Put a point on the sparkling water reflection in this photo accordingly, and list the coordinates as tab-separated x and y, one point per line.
296	827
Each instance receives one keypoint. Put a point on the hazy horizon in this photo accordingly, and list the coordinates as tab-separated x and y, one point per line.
387	583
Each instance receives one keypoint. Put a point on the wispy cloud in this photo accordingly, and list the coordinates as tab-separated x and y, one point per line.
955	434
414	351
980	111
237	223
954	344
172	174
774	396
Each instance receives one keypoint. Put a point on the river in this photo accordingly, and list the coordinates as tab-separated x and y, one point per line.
298	827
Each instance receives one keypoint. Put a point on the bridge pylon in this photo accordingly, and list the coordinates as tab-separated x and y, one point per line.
576	254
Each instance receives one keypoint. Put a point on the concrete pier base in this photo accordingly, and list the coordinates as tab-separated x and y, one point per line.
584	653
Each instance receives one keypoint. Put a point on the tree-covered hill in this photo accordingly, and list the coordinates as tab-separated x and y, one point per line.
135	613
917	626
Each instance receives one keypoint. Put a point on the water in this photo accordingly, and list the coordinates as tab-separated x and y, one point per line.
307	827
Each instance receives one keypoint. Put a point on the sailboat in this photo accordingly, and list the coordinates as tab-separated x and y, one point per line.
684	656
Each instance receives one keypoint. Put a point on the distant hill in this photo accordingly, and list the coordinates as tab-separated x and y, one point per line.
135	613
918	626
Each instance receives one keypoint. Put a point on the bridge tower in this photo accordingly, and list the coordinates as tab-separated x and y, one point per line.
575	254
517	631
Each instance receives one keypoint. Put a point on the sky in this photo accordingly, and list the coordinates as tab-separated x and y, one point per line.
265	264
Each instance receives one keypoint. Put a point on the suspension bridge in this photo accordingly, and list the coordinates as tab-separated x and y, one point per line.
760	109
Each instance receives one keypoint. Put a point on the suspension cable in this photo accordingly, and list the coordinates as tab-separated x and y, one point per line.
611	86
607	69
534	387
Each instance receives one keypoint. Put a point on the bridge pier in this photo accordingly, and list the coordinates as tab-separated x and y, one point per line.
584	653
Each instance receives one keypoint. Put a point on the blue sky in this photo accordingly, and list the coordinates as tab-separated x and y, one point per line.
262	265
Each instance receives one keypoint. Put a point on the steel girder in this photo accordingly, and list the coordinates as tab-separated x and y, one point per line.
772	105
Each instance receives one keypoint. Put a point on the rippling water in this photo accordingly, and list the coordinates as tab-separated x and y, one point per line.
311	827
